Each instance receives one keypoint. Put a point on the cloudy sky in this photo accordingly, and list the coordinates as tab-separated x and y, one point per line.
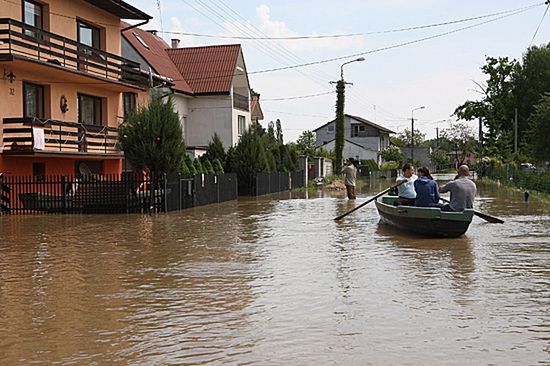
434	65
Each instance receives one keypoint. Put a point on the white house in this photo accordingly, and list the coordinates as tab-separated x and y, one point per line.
363	139
209	85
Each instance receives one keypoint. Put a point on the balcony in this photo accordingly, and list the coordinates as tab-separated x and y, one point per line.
21	41
241	102
32	135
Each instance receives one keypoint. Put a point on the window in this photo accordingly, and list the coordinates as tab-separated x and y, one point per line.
358	130
33	16
140	40
128	104
241	124
89	109
88	34
33	100
330	128
39	171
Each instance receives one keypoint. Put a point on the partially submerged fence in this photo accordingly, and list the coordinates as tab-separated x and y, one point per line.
127	193
261	184
537	180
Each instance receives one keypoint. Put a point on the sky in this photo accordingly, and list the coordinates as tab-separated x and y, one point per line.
435	66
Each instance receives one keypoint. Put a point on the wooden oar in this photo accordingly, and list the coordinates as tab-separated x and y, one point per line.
489	218
369	200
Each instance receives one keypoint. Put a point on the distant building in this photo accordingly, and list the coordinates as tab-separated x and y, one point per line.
363	139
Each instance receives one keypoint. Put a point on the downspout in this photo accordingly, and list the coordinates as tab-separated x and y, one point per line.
134	26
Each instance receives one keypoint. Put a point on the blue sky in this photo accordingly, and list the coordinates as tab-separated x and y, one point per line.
438	73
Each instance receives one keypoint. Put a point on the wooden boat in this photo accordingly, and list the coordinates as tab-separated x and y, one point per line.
429	221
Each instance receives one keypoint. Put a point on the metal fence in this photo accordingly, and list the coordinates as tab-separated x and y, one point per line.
186	191
266	183
536	180
126	193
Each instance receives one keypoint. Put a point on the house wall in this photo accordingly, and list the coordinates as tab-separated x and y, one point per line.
208	115
354	151
59	82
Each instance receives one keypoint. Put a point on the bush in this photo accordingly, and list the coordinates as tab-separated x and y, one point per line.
198	166
208	169
390	165
218	167
190	165
184	169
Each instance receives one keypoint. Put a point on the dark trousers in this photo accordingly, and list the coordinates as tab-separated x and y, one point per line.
402	201
351	192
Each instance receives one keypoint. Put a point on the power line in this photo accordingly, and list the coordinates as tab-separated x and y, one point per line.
297	97
353	34
537	30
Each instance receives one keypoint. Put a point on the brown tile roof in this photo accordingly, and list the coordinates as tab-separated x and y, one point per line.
156	56
208	69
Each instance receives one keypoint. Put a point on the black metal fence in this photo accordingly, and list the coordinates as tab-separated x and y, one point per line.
126	193
186	191
266	183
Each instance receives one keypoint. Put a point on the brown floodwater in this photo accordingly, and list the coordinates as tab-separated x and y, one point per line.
275	281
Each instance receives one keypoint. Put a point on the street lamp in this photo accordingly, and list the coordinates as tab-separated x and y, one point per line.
349	62
412	132
339	121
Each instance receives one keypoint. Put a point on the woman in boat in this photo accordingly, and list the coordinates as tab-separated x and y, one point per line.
427	193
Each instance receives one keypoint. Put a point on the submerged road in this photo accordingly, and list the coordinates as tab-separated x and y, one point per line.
276	281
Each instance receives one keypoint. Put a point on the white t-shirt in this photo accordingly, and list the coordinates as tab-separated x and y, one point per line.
406	190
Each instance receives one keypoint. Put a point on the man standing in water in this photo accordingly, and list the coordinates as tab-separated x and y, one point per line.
350	175
462	189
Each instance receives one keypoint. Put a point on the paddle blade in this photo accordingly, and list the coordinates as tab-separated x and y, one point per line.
489	218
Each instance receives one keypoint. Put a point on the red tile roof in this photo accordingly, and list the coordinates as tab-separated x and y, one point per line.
208	69
156	56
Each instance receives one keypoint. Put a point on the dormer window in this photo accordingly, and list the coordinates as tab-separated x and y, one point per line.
330	128
140	40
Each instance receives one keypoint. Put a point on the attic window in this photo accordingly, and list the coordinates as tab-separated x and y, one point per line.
141	40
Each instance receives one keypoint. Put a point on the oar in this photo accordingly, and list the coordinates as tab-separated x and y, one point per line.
489	218
369	200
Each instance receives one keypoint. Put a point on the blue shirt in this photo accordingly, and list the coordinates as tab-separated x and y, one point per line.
427	192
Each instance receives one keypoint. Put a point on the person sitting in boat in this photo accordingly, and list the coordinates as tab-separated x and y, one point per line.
406	193
427	192
462	189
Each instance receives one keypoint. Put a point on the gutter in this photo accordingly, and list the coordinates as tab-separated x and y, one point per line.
134	26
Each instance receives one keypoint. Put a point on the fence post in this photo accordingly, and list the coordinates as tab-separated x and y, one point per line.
64	193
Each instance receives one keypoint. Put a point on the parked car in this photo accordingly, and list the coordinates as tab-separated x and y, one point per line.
528	167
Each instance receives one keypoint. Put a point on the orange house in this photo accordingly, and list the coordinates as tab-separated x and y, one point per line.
64	87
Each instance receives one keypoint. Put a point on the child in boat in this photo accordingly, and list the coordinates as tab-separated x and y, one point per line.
427	192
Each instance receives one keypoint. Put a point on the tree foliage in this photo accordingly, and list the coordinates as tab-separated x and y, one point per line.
403	139
306	144
152	137
539	129
392	153
460	140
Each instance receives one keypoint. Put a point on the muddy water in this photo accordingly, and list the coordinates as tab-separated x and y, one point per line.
276	281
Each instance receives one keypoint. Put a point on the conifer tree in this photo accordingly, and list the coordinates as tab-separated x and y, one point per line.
152	137
208	168
218	167
198	166
190	165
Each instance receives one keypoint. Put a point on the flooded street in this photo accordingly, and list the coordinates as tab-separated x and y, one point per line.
275	280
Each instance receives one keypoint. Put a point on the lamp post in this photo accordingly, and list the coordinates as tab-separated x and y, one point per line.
339	121
412	132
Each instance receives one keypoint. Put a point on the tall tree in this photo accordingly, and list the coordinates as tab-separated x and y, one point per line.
461	141
539	129
532	81
279	131
306	144
403	139
152	137
215	149
496	107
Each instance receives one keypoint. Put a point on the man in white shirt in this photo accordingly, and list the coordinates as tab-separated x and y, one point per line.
406	192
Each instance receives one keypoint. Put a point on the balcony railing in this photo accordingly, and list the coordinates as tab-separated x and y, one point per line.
22	135
240	102
18	39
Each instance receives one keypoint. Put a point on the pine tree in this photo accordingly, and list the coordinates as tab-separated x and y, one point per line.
218	168
198	166
152	137
208	168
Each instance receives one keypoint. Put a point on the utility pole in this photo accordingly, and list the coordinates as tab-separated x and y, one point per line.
340	116
515	130
437	136
480	136
412	132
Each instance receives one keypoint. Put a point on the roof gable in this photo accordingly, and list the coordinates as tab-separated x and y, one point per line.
153	50
358	119
207	69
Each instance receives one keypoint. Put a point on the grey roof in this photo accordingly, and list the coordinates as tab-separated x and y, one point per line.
362	120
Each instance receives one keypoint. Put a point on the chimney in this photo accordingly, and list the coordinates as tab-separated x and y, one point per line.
175	43
153	32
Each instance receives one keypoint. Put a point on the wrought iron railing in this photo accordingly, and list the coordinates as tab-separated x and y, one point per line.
34	134
241	102
19	39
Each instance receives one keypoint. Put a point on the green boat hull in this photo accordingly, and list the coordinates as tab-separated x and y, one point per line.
429	221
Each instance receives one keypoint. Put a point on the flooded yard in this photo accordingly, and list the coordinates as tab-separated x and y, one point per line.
275	280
